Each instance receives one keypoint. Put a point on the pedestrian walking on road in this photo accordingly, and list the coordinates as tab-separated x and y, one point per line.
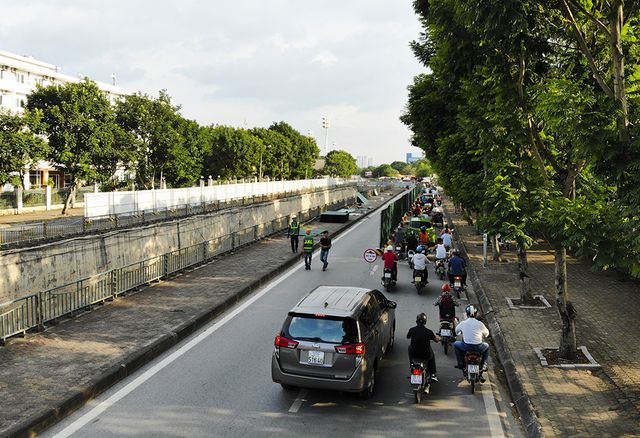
294	233
325	245
307	247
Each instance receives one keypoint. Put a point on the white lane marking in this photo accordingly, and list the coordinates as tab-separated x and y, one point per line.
298	401
493	416
373	270
103	406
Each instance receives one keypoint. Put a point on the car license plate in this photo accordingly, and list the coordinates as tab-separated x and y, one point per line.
387	275
418	279
473	368
457	284
315	357
416	380
445	332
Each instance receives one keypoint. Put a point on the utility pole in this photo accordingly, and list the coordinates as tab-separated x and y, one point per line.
326	125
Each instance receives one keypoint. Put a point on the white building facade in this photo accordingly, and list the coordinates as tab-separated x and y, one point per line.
19	76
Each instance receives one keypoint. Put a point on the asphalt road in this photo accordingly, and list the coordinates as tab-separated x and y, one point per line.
218	383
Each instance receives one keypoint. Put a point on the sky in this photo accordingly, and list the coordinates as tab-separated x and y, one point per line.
242	63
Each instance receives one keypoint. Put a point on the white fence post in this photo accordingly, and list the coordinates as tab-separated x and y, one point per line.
47	197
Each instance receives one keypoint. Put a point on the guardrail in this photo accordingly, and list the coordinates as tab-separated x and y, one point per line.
49	230
34	311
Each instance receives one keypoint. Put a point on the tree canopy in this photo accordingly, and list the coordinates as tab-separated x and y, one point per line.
529	115
340	163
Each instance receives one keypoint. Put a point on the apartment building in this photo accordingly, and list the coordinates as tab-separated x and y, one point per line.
19	76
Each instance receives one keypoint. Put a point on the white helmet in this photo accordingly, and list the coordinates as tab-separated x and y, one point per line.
389	248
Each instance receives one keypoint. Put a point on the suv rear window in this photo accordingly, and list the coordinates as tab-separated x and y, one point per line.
321	329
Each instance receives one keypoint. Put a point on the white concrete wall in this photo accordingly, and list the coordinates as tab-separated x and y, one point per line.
31	270
112	203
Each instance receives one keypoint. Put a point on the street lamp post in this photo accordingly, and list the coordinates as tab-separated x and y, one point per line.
326	124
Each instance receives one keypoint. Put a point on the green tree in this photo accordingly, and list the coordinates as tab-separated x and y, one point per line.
402	167
153	131
277	150
340	163
513	125
304	151
79	123
232	153
385	170
19	146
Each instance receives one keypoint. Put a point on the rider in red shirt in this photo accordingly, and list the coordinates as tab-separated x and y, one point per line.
390	259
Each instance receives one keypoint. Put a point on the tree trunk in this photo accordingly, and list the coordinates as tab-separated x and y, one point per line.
526	296
70	196
495	247
568	344
617	55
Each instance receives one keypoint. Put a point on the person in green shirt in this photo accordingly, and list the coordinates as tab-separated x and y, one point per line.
307	247
294	233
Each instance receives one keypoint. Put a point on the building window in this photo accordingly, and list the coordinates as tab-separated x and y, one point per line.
35	179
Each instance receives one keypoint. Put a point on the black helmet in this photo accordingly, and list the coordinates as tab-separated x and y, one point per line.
421	319
471	311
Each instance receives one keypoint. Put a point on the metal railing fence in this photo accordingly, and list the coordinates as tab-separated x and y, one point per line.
35	310
41	231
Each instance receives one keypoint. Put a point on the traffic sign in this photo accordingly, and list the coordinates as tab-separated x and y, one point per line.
370	255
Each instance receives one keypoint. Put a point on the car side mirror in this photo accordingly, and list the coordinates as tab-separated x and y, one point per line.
391	304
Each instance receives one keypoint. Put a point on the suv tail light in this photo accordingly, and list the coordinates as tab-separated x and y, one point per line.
357	349
283	342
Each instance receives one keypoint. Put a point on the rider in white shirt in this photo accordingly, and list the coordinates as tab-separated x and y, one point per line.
420	261
441	251
473	333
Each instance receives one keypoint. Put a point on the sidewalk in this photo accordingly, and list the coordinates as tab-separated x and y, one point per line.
45	376
604	403
39	216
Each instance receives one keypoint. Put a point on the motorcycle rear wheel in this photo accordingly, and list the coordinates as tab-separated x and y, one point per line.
445	345
417	395
473	385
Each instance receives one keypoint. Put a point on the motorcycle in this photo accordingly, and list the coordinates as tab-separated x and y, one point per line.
447	335
457	285
419	280
441	270
437	219
420	380
472	370
400	251
387	279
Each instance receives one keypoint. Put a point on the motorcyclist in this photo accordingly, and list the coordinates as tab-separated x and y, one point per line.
420	262
412	241
390	260
399	238
441	251
473	332
423	237
457	267
447	306
447	238
420	346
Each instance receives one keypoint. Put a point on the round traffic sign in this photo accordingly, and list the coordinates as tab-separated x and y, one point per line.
370	255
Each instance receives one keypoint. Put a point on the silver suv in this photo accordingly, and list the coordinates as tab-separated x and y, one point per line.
334	338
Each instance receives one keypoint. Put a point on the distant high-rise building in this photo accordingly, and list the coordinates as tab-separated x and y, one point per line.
411	158
363	161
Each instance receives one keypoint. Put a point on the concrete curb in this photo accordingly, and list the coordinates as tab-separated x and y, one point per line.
522	401
117	372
